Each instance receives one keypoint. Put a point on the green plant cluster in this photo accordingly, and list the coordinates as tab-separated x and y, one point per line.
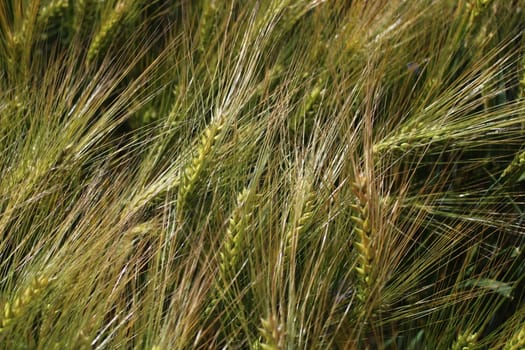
262	174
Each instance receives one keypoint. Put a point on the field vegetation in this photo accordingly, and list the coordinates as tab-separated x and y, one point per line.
262	174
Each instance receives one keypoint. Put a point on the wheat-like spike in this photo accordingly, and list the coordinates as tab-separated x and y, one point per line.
194	169
143	229
272	76
465	341
304	220
304	115
362	227
17	307
151	193
13	107
410	137
517	164
20	40
79	14
50	12
84	15
273	333
206	23
109	27
82	340
476	8
293	11
175	113
517	342
237	226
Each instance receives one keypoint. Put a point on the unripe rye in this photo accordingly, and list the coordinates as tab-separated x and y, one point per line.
363	243
193	170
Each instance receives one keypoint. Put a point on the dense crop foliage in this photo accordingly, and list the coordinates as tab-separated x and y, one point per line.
262	174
